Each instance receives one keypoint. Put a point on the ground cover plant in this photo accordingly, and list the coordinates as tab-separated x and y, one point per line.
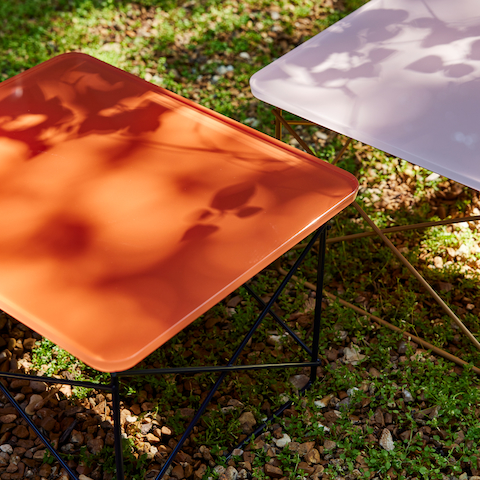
383	407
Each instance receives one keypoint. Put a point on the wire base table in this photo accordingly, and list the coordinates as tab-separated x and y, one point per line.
129	211
401	76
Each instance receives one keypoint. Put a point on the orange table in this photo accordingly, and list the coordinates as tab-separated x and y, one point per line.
127	211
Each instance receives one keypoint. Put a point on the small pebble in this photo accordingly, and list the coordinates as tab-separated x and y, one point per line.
231	473
352	355
6	448
247	421
320	425
323	402
386	440
432	177
321	135
407	396
219	469
275	15
253	122
402	348
352	391
221	70
299	381
329	445
242	474
281	442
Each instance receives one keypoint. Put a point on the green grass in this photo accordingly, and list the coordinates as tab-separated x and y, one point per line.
181	48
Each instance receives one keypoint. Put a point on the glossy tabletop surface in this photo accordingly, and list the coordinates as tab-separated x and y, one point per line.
400	75
128	211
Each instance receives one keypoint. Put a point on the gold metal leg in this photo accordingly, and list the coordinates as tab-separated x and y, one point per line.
278	124
342	151
283	122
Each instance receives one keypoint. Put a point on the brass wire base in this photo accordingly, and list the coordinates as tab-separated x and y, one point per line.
398	228
281	122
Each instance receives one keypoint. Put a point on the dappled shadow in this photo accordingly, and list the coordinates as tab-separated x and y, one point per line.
128	211
72	101
373	28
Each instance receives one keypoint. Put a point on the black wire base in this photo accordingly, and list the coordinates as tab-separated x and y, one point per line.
113	386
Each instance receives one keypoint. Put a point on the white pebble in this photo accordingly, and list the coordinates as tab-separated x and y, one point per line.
219	469
253	122
386	440
325	428
407	396
352	391
432	177
281	442
221	70
7	448
231	473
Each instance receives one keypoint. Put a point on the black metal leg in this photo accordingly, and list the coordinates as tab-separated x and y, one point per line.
315	361
318	301
297	339
117	428
189	429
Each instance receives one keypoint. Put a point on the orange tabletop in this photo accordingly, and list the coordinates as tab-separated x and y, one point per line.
127	211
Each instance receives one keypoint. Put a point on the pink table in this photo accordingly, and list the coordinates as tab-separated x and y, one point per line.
400	75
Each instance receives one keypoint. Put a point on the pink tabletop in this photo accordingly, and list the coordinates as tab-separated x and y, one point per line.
400	75
127	211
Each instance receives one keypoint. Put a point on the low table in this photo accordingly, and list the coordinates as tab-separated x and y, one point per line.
400	75
128	211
